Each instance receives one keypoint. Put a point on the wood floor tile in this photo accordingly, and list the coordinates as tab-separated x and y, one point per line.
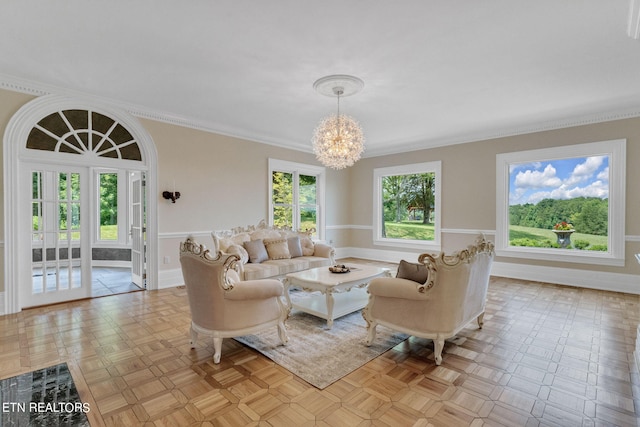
548	355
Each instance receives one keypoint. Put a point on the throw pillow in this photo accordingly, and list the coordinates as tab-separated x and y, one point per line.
307	244
240	251
277	248
295	249
412	271
233	276
256	250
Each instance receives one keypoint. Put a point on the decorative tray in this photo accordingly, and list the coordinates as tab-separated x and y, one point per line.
339	269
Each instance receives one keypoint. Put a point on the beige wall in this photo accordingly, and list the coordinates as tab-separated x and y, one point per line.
469	183
223	182
10	103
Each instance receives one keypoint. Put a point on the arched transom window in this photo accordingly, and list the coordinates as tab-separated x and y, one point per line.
83	132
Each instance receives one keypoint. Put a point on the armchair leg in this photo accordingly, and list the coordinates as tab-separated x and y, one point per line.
438	345
282	333
194	337
217	349
481	320
371	333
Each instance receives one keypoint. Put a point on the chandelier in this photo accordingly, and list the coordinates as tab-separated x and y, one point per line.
338	141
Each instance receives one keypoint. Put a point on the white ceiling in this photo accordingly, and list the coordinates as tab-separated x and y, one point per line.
435	72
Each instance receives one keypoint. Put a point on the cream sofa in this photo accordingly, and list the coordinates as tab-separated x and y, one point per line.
269	252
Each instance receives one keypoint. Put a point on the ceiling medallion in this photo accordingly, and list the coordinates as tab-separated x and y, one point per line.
338	141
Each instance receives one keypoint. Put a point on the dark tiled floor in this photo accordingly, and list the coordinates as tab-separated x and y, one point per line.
111	281
44	397
105	280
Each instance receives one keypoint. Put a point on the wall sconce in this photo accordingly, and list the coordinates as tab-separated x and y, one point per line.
171	195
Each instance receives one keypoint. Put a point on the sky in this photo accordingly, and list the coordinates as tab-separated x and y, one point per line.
559	179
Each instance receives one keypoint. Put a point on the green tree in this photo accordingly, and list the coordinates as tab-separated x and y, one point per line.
282	187
420	193
593	218
108	198
393	188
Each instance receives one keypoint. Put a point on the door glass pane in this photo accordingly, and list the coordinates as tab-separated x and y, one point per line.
282	196
307	202
108	206
282	188
308	218
307	190
282	216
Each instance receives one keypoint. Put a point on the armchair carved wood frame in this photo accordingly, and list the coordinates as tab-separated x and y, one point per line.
453	295
223	306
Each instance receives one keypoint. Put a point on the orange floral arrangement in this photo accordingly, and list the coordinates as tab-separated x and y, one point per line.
563	226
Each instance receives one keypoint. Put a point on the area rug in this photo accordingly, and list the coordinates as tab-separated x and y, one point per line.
322	356
45	397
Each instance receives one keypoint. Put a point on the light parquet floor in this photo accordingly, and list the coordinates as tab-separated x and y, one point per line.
547	356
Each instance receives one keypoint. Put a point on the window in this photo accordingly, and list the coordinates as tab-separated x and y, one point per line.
297	196
112	220
563	203
108	221
406	206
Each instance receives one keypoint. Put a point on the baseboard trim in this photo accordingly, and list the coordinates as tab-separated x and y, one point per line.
616	282
637	352
170	278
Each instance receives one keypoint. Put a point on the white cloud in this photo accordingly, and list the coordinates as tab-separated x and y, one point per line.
595	189
537	179
584	171
604	175
515	196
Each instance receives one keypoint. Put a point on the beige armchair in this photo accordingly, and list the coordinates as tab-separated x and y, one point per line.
451	293
223	306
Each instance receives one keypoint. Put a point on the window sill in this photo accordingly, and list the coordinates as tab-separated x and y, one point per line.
563	255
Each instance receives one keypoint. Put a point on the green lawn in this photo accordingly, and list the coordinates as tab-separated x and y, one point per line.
109	232
409	230
415	230
541	235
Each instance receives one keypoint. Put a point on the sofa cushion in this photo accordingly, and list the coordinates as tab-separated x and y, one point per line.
256	250
412	271
291	265
260	271
316	261
277	248
295	248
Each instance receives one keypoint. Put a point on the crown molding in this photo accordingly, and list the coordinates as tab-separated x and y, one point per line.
18	84
589	119
30	87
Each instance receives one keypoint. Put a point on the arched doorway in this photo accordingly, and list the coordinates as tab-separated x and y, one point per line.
59	155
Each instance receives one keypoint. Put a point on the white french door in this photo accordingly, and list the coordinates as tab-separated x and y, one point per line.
57	220
137	230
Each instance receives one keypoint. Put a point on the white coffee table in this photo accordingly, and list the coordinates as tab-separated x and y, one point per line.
342	293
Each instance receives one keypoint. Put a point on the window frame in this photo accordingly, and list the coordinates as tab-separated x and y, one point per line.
410	169
297	169
616	151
